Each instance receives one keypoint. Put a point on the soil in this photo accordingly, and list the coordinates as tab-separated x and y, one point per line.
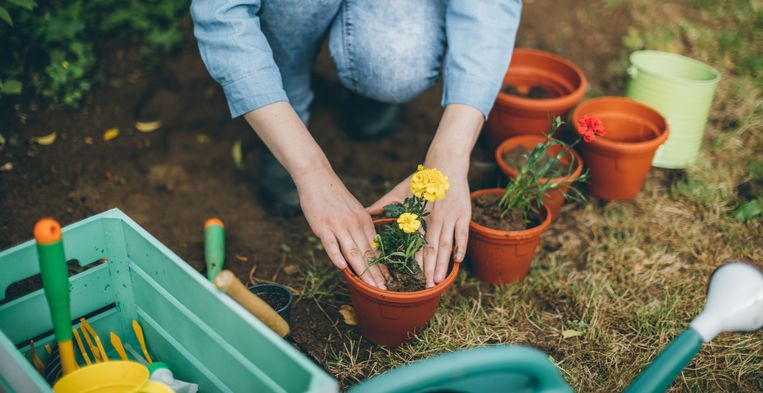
516	158
171	180
535	92
485	211
404	281
274	298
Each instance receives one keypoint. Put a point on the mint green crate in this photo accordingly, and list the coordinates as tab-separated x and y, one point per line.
200	333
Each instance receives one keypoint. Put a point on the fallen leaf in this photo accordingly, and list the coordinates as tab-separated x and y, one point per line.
236	153
242	258
45	139
110	134
571	333
88	140
147	126
348	314
6	167
290	269
202	138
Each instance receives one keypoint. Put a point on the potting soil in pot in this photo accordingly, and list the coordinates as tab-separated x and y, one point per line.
486	212
516	158
401	280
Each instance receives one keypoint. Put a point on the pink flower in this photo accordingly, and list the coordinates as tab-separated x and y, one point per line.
589	127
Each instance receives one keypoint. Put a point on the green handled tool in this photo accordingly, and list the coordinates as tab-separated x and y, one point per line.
55	280
214	247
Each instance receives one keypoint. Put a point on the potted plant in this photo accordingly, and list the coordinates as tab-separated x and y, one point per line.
388	317
506	224
565	164
620	161
538	86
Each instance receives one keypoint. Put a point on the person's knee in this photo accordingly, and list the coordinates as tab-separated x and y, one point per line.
388	64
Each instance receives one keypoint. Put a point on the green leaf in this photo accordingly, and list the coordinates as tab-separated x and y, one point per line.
11	86
5	16
25	4
2	140
749	210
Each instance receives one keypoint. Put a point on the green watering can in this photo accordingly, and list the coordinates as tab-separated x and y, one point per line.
734	303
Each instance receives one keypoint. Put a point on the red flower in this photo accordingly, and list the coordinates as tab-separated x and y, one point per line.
589	127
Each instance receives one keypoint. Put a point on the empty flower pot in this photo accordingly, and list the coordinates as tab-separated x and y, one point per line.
682	90
388	317
512	115
502	257
555	198
620	160
276	296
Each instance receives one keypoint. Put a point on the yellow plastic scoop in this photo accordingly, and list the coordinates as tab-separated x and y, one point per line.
116	342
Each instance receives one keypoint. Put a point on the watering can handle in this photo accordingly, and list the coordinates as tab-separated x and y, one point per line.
228	283
659	375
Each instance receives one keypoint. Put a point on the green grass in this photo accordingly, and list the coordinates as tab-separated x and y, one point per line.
628	275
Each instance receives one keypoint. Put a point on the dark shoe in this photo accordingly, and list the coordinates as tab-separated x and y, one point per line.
369	119
277	190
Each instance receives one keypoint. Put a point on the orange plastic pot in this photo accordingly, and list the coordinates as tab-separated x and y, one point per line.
502	257
388	317
555	198
620	160
513	115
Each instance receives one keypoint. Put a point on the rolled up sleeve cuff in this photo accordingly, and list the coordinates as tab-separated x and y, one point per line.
253	91
468	90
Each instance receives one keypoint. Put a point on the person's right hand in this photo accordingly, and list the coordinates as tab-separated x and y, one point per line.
341	223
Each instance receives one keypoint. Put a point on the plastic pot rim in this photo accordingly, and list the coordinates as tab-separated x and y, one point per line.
627	148
512	172
498	234
556	104
634	58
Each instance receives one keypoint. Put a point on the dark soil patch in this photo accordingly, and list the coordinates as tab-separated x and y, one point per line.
535	92
404	281
485	211
516	159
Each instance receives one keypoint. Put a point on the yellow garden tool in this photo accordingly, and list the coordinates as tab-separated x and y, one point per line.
81	347
139	334
93	348
116	342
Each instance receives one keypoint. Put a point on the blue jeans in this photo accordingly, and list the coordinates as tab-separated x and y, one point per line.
390	51
262	51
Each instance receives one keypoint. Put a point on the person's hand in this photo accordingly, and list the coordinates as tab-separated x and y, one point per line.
448	219
340	222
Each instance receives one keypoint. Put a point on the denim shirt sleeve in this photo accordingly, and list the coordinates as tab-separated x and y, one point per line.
480	36
236	53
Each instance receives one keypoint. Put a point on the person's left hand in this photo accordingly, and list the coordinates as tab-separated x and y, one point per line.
449	218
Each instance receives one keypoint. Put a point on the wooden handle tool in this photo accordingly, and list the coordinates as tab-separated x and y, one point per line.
227	282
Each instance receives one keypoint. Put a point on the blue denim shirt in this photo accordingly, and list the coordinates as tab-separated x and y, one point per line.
480	37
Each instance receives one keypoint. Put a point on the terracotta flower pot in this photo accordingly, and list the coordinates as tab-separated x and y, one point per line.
388	317
620	160
513	115
502	257
555	198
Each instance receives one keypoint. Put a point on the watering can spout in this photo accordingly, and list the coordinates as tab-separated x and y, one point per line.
734	301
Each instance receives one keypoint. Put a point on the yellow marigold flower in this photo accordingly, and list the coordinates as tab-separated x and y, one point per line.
430	184
408	222
374	244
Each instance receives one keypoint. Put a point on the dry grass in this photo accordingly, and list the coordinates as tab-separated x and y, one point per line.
629	275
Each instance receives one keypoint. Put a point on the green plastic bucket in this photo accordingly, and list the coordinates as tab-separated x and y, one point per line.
682	90
204	336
